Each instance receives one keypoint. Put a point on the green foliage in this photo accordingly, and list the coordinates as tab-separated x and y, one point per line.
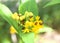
52	2
49	10
6	41
28	5
42	10
53	11
6	14
27	38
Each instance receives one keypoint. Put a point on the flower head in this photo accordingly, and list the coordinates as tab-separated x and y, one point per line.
22	18
15	16
28	24
37	18
27	14
38	24
31	19
12	30
26	30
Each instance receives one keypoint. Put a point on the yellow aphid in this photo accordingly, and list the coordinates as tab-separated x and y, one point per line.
15	16
12	30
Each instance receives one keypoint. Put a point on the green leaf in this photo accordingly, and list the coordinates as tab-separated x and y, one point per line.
52	2
20	41
6	41
27	37
5	13
45	29
28	5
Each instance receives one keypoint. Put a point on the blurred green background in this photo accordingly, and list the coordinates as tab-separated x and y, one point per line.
50	16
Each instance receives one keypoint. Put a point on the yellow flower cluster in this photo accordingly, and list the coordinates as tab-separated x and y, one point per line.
29	22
